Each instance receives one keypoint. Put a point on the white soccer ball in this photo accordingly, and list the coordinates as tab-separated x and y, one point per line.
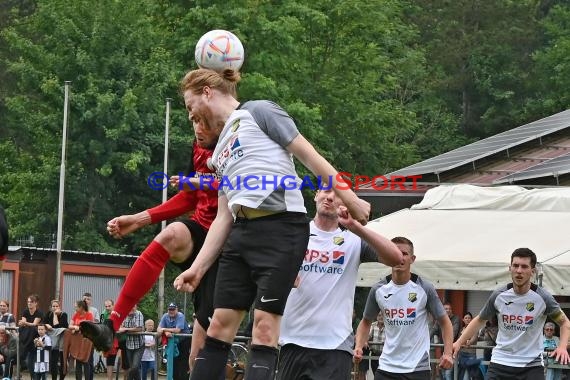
219	50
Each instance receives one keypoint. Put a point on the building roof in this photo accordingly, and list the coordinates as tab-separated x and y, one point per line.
536	154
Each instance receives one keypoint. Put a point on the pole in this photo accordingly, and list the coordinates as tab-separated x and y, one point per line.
164	195
61	192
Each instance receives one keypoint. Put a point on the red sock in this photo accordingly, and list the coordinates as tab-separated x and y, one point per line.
140	280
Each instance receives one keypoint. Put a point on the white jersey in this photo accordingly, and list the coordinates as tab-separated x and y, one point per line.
318	313
521	319
250	158
405	308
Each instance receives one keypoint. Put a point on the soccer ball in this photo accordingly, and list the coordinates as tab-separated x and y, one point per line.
219	50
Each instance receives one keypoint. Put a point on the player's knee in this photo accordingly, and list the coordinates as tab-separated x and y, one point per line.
173	239
266	331
166	237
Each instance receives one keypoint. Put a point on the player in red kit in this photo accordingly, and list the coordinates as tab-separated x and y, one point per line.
179	243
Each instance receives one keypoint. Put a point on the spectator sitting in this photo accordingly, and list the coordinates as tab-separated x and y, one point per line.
8	349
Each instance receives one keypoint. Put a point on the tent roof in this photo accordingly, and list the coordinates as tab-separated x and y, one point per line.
464	235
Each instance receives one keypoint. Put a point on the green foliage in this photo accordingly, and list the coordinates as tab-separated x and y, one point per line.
480	56
552	64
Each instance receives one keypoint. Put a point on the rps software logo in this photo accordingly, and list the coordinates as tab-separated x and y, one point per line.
400	316
517	322
323	261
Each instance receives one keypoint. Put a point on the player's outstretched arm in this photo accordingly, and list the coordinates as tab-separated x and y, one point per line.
388	253
188	280
306	153
123	225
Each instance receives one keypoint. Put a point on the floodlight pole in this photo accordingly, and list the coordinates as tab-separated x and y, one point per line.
164	196
61	192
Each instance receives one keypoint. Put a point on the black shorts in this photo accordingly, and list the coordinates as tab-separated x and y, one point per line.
418	375
110	360
203	296
504	372
296	362
260	261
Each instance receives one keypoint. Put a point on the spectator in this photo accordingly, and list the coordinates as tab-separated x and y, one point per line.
111	355
6	318
81	314
551	341
8	351
447	374
133	323
43	348
149	357
468	361
88	298
56	323
31	318
174	322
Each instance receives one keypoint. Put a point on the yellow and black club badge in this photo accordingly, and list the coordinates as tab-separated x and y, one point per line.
530	306
338	240
235	125
412	297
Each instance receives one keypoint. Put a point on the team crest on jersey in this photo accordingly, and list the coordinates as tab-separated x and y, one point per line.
412	297
530	306
235	125
338	240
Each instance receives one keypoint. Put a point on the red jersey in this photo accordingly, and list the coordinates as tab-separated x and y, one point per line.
202	205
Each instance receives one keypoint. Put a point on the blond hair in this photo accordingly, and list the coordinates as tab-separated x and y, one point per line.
225	82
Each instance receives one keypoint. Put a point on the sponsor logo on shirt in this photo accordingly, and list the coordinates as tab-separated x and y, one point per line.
324	257
338	257
400	316
231	152
323	261
517	322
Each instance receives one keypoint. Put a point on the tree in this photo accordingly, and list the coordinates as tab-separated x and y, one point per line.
552	70
120	77
480	52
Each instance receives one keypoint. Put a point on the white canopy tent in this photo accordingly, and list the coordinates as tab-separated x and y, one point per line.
464	235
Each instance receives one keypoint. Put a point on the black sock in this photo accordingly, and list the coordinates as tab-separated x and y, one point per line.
211	360
261	363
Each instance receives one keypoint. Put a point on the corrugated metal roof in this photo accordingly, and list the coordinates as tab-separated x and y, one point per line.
490	146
